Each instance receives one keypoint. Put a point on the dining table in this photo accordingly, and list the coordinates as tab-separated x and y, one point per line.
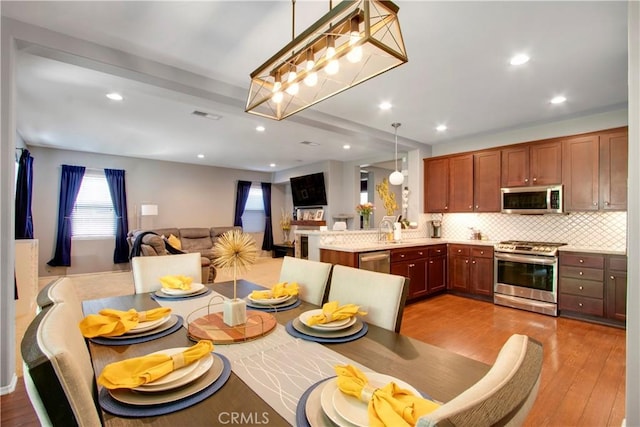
271	372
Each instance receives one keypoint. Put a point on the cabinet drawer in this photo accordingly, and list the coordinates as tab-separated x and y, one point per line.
583	305
586	288
437	250
618	263
582	260
582	273
398	255
482	252
459	250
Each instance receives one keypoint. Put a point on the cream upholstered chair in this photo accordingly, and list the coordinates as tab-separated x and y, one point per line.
59	375
63	290
382	294
311	276
147	270
504	396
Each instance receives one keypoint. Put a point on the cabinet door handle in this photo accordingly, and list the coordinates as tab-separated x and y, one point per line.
466	261
580	287
411	265
420	253
526	180
535	179
607	203
470	207
446	207
430	262
612	278
581	273
580	304
473	262
481	252
459	250
401	255
595	203
581	261
477	207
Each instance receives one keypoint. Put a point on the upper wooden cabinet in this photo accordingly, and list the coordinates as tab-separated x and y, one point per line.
461	183
486	181
436	184
538	163
594	171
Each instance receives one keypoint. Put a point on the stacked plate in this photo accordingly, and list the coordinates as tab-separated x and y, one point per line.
151	327
179	384
194	290
326	402
280	302
336	331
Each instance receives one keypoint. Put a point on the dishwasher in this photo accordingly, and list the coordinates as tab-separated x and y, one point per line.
379	261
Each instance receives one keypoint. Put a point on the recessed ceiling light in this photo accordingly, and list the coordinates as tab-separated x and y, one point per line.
115	96
260	128
273	165
201	156
441	128
558	99
346	147
519	59
385	105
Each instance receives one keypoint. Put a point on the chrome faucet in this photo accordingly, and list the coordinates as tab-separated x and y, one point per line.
388	231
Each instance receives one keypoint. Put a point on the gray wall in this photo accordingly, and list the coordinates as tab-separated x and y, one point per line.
186	195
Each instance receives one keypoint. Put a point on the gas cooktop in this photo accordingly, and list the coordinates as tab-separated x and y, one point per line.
525	247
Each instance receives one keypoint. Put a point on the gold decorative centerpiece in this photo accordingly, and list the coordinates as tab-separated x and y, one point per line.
365	210
388	198
285	224
237	250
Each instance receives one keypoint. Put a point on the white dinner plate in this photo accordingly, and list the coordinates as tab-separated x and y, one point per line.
269	301
201	367
326	403
178	373
147	326
195	287
354	410
335	325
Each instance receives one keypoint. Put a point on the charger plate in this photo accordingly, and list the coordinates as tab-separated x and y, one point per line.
287	305
174	324
338	333
161	296
291	330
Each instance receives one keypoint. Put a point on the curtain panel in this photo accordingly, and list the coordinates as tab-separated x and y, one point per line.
70	181
267	241
242	194
24	190
117	188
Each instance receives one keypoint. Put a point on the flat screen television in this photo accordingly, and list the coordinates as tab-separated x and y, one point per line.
308	190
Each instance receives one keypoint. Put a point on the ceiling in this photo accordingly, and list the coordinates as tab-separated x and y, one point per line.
458	74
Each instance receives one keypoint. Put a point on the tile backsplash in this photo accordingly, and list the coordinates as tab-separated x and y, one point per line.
600	230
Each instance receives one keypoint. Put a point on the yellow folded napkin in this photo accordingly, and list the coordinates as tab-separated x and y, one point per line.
331	311
278	290
387	406
176	282
130	373
113	323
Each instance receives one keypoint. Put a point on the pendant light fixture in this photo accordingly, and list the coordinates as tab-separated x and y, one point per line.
396	178
353	42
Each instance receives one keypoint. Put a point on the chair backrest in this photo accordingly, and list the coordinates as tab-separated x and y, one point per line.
147	270
59	375
63	290
382	294
312	277
504	396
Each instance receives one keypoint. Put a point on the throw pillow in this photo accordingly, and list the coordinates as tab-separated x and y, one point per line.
175	242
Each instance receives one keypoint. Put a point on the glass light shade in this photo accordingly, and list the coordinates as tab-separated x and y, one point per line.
381	46
293	85
396	178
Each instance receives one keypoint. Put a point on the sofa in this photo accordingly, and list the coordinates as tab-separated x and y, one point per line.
189	240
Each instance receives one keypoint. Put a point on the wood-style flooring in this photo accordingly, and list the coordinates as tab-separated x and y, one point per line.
583	376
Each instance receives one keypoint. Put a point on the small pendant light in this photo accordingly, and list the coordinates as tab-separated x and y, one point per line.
396	178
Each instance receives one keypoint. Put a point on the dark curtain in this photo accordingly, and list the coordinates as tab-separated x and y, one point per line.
24	222
115	179
241	200
69	187
267	241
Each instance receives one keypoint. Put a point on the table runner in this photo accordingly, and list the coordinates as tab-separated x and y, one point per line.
278	367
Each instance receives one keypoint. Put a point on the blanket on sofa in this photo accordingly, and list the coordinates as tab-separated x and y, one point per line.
135	248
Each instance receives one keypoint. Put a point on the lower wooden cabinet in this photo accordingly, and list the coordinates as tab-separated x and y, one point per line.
616	288
471	269
425	266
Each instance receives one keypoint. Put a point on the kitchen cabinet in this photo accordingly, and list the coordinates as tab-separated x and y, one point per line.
461	183
537	163
350	259
486	181
436	185
594	171
437	269
425	266
616	288
581	284
471	269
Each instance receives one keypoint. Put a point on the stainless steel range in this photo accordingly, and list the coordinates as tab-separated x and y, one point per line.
526	275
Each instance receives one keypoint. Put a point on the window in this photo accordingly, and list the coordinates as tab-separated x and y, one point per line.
93	215
253	217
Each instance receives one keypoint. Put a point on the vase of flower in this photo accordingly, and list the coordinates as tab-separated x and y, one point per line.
365	210
285	234
365	221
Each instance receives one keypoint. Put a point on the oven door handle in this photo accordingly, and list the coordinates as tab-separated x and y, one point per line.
520	258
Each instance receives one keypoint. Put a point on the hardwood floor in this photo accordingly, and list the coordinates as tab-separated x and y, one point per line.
583	376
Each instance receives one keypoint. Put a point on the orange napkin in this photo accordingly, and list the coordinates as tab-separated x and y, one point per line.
130	373
113	323
387	406
278	290
176	282
331	311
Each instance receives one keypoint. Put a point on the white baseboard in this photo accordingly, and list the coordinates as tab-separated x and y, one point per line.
10	387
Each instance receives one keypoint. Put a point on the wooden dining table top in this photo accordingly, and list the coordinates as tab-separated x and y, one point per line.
440	373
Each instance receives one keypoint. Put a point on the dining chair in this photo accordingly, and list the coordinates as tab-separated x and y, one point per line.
312	277
147	270
383	295
504	396
59	374
63	290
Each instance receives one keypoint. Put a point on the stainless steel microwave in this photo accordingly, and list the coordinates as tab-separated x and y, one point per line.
532	200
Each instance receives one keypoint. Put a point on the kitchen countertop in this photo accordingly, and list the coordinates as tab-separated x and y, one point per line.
570	248
406	243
